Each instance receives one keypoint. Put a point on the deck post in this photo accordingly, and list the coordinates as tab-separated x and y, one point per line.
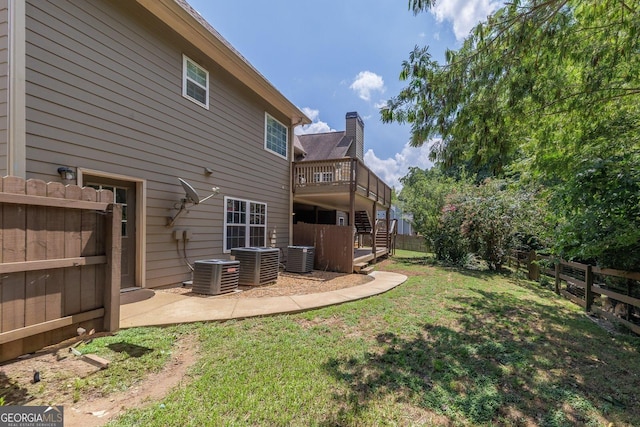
373	233
352	205
388	219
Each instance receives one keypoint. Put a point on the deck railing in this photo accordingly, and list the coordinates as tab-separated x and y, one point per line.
346	172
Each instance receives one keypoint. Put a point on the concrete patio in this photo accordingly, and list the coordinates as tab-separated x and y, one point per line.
159	308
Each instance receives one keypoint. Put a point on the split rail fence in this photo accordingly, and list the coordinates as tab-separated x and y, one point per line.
59	263
612	294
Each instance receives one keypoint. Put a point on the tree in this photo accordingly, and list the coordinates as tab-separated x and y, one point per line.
545	91
424	194
535	73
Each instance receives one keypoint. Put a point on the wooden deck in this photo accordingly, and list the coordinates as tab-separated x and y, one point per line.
366	255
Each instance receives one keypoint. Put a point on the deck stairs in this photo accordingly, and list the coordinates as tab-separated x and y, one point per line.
384	239
362	222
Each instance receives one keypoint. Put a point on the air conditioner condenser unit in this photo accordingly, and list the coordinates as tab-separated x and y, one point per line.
215	276
300	259
258	265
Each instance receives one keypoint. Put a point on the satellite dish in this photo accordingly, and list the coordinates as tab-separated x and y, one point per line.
190	198
190	193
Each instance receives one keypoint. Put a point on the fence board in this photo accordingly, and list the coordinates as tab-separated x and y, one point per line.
617	273
570	279
36	234
31	330
89	245
72	249
12	267
100	270
573	298
55	250
13	249
617	296
23	199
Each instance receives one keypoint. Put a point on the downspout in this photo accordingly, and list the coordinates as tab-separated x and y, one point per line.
16	87
292	182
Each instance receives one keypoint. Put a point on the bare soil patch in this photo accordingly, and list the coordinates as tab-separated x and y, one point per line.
57	377
288	284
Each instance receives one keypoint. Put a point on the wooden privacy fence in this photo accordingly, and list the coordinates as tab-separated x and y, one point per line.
333	245
59	263
613	294
411	243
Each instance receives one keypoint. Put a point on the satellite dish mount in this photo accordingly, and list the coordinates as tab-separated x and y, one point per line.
190	199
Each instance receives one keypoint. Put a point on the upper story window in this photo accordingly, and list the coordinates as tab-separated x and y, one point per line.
276	136
195	82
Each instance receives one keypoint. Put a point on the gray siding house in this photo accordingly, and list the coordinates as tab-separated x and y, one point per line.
131	95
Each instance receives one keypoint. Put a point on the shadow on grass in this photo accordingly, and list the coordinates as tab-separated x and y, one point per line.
509	360
132	350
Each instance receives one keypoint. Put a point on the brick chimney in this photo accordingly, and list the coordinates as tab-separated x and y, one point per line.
355	131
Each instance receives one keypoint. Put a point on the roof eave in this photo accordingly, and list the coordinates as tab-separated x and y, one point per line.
218	49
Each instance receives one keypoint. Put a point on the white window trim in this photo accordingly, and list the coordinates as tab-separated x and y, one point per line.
266	118
185	78
323	177
247	226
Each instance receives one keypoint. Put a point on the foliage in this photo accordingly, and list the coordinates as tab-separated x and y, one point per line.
544	91
448	241
424	194
603	199
459	218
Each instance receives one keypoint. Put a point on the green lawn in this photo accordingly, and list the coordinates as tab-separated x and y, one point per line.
448	347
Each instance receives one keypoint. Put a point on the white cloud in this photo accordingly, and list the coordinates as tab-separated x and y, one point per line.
311	113
394	168
464	14
317	126
367	82
380	104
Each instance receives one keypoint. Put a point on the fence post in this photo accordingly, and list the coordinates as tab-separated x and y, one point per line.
558	277
113	251
532	266
588	294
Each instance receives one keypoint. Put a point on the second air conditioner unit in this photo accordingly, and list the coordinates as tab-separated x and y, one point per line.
300	259
258	266
215	276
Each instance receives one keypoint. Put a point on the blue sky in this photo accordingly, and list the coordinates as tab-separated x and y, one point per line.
336	56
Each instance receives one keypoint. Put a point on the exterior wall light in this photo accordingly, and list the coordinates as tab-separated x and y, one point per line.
67	174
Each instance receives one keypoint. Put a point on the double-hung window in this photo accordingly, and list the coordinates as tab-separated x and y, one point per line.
245	224
323	177
276	136
195	82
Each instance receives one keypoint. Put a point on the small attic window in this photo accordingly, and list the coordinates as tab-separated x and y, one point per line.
195	82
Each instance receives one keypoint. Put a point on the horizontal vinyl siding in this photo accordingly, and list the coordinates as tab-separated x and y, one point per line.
104	93
4	82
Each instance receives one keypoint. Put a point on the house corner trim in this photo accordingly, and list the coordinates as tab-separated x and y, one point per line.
16	109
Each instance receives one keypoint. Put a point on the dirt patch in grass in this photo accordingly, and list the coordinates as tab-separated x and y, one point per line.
59	371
